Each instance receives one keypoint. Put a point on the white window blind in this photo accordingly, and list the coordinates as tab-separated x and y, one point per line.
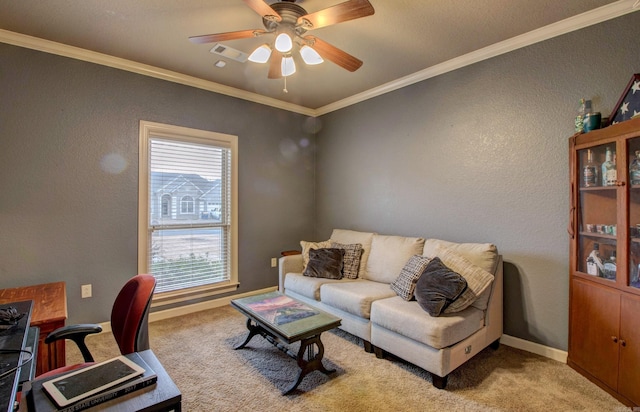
188	222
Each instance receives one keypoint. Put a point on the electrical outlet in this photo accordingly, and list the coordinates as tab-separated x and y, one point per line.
274	262
86	291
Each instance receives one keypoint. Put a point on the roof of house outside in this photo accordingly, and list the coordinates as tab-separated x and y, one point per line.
169	182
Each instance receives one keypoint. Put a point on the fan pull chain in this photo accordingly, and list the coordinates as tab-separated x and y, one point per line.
285	85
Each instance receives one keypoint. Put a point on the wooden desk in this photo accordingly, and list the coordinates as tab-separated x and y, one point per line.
164	396
13	340
49	313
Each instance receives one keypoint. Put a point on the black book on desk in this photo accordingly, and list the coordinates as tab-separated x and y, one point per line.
39	400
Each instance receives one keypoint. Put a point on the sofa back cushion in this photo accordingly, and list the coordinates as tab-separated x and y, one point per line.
484	255
348	237
389	254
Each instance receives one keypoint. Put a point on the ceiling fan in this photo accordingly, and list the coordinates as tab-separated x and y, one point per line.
290	23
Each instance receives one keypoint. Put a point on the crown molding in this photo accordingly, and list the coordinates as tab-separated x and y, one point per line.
574	23
77	53
589	18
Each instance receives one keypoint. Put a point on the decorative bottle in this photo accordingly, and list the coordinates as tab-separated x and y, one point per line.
580	116
609	266
634	170
584	108
609	173
590	171
595	266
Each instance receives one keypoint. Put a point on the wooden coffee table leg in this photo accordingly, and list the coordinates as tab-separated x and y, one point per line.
312	361
253	331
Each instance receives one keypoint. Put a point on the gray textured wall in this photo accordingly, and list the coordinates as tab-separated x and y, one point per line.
480	155
64	216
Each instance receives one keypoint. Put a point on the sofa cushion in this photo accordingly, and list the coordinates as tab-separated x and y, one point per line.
438	287
325	263
478	281
348	237
484	255
405	283
307	246
351	261
408	319
354	297
307	286
389	254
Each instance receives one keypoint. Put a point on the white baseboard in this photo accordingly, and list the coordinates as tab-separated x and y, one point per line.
196	307
538	349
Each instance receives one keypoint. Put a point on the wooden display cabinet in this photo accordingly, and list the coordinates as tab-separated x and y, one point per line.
604	305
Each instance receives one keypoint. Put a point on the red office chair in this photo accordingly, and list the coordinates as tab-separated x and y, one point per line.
129	323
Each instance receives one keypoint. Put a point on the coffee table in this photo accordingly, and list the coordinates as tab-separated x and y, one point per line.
280	318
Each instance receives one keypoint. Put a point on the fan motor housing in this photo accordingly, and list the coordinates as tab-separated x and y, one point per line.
289	12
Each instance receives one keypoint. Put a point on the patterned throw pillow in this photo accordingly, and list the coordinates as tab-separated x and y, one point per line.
352	254
438	287
478	279
325	263
405	284
306	246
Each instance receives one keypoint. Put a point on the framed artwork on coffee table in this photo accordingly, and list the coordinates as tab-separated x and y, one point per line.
628	105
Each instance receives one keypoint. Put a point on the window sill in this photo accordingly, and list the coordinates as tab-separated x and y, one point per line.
179	296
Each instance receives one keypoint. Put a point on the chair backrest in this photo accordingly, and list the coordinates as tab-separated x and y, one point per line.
130	314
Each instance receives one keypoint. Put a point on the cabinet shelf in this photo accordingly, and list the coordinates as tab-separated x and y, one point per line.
602	236
600	188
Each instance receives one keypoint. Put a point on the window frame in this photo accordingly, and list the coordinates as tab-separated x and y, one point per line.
149	130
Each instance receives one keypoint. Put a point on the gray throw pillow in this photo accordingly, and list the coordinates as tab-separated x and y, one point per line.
325	263
438	287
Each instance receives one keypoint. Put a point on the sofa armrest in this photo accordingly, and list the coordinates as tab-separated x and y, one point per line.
288	264
494	315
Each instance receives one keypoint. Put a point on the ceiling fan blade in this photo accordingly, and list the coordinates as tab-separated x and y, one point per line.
275	65
263	9
232	35
349	10
334	54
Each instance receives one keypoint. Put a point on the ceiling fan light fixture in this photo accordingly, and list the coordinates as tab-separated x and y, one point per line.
288	66
284	44
310	56
261	54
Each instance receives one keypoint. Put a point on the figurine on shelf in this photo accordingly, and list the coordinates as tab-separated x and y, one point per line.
595	266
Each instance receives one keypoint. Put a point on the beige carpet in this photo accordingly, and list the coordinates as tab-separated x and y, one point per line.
197	351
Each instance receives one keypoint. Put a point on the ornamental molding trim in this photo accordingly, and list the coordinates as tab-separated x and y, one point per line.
580	21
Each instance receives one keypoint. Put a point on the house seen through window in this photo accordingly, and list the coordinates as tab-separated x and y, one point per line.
187	208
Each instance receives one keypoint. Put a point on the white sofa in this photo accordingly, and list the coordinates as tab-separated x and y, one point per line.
371	310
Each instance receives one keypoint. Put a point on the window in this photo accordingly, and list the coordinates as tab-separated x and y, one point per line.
166	205
186	205
190	253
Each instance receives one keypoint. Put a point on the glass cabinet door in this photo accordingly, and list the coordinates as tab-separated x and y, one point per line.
633	150
597	225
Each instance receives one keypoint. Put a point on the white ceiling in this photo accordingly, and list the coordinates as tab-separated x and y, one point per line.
403	42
